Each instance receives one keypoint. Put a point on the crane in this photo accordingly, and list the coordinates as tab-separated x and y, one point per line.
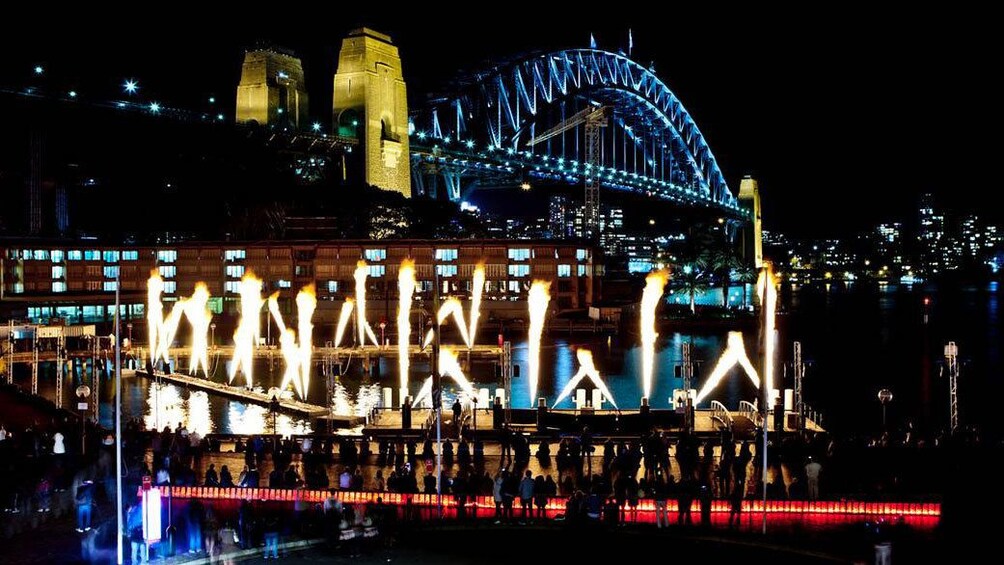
594	118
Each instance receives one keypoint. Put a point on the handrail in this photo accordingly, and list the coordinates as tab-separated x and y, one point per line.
721	412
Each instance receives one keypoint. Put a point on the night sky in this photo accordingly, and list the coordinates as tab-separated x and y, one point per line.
844	116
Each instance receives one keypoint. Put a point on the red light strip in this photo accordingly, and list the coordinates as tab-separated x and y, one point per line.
647	505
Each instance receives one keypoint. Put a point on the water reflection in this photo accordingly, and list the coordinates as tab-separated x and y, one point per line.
166	407
250	419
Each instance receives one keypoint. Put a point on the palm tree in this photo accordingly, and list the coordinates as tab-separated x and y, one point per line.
691	279
723	260
745	274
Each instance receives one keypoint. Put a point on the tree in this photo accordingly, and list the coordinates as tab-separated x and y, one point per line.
745	274
691	279
723	260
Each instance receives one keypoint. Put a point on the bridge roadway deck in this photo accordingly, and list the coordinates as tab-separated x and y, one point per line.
239	393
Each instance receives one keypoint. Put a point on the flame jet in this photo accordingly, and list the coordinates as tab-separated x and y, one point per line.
655	283
297	355
248	328
362	326
767	293
343	319
449	366
586	369
734	354
154	313
537	301
450	307
306	303
200	317
406	290
477	289
169	329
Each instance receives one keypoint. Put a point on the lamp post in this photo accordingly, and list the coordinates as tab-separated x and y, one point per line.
129	327
83	392
212	330
383	326
885	397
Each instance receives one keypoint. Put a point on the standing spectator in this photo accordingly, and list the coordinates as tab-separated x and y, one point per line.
429	484
58	446
540	496
812	469
660	493
457	413
736	503
84	498
526	496
225	479
212	479
345	479
497	486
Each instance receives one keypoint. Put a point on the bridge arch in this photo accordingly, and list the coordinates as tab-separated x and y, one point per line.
652	145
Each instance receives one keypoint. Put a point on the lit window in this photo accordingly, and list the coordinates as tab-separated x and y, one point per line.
234	254
564	270
375	254
111	256
332	286
167	256
446	255
58	271
519	270
18	288
581	270
57	255
519	254
425	286
170	287
446	270
92	255
58	286
582	254
167	271
514	287
40	255
235	271
110	286
130	255
232	287
74	255
377	270
93	285
111	272
283	283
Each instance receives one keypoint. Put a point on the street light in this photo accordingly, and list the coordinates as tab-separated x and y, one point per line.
129	327
131	86
885	397
83	392
212	329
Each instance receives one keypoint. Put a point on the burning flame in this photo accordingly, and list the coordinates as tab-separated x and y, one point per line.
168	329
297	356
199	316
343	319
248	328
451	307
154	312
406	290
655	282
766	286
537	302
735	353
306	303
449	366
362	326
477	288
586	369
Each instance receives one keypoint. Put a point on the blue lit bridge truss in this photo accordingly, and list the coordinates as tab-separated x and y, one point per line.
480	133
